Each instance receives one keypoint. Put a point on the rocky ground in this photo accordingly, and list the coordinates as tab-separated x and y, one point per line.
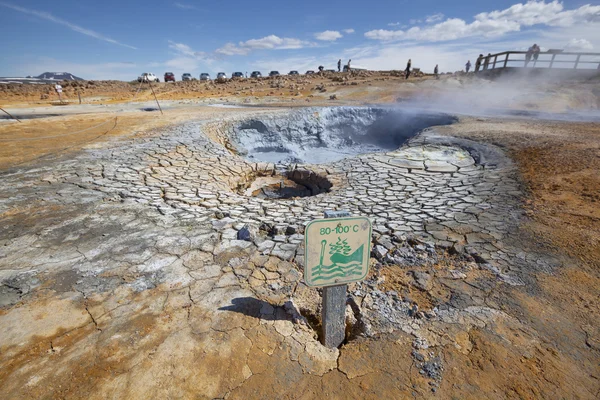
126	273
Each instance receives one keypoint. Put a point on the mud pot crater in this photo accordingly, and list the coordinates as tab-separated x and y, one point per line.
325	135
285	184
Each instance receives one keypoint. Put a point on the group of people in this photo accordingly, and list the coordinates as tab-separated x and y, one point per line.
436	70
533	51
347	65
407	71
484	61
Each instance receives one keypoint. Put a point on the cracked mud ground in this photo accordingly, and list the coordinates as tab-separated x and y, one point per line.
123	274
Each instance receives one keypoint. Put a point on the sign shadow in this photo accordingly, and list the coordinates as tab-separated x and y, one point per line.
256	308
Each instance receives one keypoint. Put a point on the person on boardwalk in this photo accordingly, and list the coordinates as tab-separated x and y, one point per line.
348	65
486	62
528	55
468	66
436	72
340	65
407	70
478	62
536	53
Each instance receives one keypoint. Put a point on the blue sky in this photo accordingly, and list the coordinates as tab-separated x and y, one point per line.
121	39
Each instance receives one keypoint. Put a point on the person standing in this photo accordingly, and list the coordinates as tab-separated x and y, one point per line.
536	53
436	72
468	66
340	65
478	62
348	65
407	70
528	55
486	62
58	90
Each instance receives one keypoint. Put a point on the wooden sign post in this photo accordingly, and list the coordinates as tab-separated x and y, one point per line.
337	251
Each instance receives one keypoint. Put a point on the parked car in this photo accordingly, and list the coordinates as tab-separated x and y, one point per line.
204	76
237	75
221	77
274	73
293	73
148	77
187	77
310	72
169	77
256	74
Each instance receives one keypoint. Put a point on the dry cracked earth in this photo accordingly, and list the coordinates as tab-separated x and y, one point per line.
169	265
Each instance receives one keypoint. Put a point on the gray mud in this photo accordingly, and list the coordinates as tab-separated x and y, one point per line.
323	135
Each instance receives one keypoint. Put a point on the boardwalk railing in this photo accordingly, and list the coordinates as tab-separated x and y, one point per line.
549	59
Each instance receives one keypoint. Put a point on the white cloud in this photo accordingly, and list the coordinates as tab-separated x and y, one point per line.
76	28
185	64
434	18
230	49
394	24
186	59
413	21
579	44
329	36
270	42
274	42
348	31
186	50
184	6
495	23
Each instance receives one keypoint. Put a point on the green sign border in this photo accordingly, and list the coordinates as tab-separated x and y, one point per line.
334	220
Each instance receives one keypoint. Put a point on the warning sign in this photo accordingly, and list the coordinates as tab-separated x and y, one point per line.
337	251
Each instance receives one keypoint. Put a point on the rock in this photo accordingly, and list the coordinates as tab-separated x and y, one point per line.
318	359
414	311
457	274
243	234
386	242
266	246
418	356
379	252
422	281
279	230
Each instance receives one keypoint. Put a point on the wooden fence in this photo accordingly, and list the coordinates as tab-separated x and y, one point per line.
548	59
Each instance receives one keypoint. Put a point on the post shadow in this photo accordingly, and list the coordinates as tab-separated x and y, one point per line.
252	307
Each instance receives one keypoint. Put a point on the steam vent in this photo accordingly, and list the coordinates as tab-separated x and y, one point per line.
154	239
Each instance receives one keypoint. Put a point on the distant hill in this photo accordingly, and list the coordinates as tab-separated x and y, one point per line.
46	77
58	76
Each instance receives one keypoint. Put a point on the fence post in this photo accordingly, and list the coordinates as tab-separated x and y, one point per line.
552	60
577	61
495	59
506	60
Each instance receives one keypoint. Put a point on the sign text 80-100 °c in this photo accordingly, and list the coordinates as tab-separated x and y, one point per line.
337	251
